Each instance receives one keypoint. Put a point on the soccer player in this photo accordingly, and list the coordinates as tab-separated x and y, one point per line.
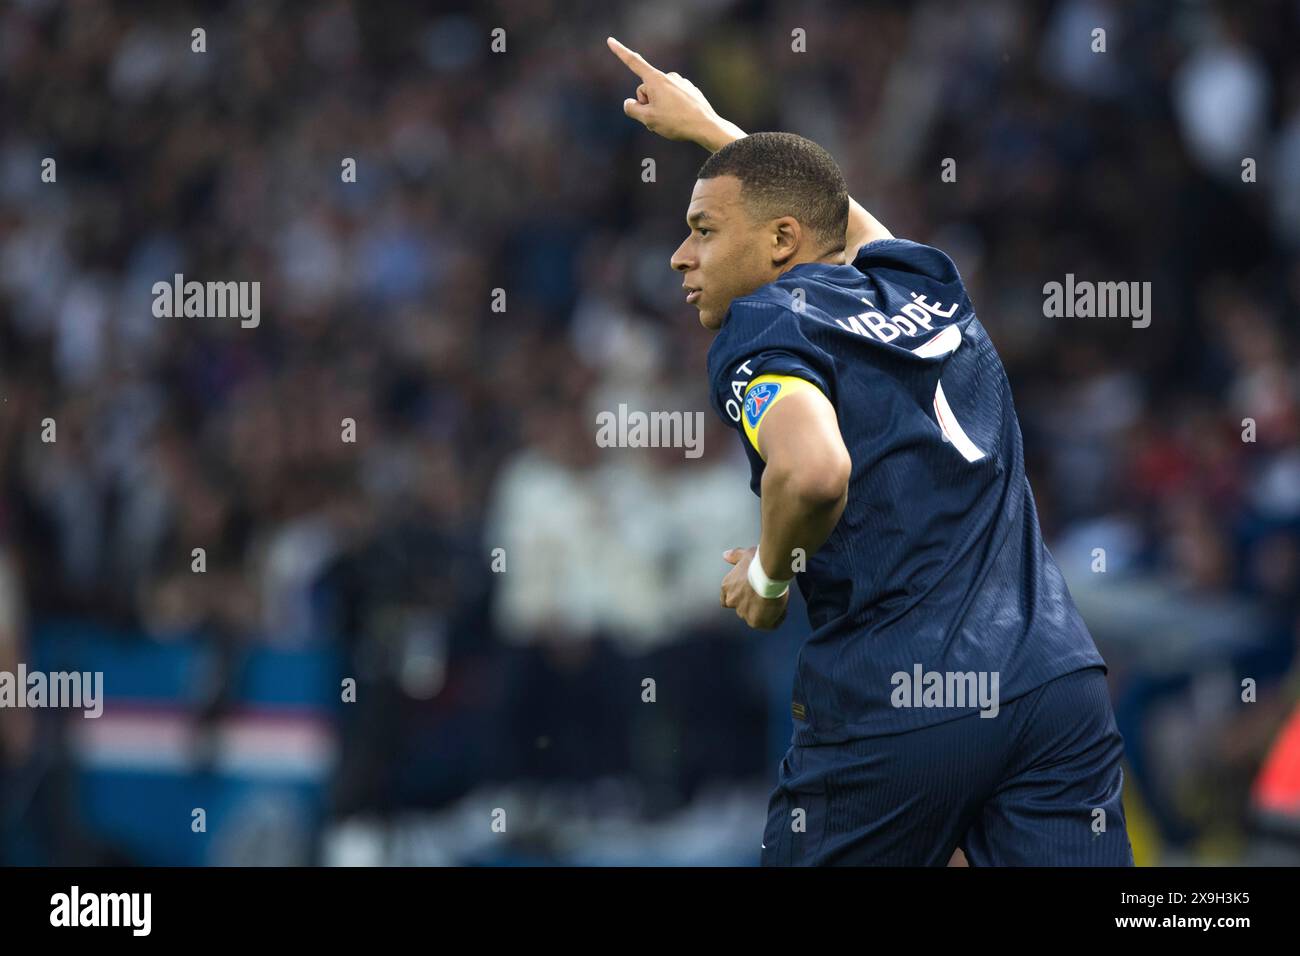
949	695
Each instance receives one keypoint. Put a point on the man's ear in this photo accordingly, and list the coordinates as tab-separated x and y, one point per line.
787	235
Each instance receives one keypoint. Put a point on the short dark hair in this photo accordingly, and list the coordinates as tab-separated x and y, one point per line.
782	174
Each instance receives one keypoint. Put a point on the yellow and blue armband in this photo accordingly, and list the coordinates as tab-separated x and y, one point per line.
764	392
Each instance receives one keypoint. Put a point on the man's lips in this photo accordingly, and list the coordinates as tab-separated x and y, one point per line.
692	294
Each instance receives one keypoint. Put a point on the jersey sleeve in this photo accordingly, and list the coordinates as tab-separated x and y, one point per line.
904	255
913	266
764	344
764	338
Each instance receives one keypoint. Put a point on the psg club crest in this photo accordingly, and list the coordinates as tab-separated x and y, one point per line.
758	398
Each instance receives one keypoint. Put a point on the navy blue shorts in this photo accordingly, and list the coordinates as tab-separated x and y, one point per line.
1037	785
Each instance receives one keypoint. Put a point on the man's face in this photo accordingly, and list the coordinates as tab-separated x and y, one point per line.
726	254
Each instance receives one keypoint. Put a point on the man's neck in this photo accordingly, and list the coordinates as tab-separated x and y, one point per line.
834	258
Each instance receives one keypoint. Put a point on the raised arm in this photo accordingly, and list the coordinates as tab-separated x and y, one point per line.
673	106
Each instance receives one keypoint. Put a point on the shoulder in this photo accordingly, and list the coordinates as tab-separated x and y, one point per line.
762	335
904	255
772	303
765	321
750	320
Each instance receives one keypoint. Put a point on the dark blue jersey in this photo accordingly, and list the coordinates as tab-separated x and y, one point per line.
937	569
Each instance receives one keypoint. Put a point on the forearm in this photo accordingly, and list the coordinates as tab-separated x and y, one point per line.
798	517
718	134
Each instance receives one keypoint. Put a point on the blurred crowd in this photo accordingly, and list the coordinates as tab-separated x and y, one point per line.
497	274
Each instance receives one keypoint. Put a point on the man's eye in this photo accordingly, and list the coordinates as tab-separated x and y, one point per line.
702	230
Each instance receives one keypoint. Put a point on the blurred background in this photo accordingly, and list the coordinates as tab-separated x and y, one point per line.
513	678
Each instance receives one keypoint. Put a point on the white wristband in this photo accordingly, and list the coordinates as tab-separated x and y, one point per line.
765	587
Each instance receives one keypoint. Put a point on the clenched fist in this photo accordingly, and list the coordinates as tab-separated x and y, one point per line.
765	614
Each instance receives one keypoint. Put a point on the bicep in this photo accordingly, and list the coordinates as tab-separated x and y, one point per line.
863	228
799	425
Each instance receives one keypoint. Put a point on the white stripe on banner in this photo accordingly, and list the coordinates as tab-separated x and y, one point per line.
265	746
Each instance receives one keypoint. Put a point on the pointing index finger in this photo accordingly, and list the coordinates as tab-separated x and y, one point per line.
632	60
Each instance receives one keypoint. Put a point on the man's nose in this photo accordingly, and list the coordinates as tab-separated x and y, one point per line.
680	261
